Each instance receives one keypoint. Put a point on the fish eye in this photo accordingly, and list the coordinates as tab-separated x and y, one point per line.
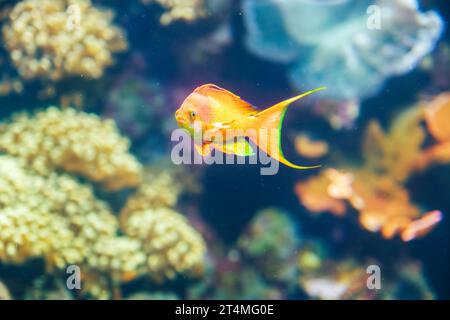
193	114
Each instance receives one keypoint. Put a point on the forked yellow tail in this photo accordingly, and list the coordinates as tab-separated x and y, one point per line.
269	123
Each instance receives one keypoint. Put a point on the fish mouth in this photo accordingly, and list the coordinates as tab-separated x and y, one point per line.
180	121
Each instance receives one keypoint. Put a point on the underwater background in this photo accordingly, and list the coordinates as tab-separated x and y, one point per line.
88	91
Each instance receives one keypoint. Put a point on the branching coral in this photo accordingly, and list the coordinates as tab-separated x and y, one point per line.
188	10
55	39
384	205
74	141
314	196
437	117
397	152
376	189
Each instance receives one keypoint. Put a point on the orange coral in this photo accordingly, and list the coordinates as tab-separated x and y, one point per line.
310	148
437	117
383	204
388	207
314	196
396	152
376	188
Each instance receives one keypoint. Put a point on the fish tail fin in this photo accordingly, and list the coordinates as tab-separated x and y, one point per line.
268	132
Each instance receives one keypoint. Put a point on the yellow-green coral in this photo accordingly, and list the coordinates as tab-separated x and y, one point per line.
54	39
54	217
59	219
188	10
4	292
171	245
122	257
47	213
158	190
25	234
73	141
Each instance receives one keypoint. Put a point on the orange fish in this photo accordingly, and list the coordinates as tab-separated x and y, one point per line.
217	118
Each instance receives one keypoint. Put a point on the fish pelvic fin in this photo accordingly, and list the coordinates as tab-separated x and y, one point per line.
239	147
268	133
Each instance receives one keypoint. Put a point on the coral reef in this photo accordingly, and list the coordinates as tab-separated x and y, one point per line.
55	39
352	46
376	189
325	277
171	245
158	190
340	38
49	214
254	268
437	114
397	152
271	241
55	217
138	106
4	292
73	141
260	265
87	184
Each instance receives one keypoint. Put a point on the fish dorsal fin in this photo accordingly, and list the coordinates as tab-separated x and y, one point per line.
240	147
233	101
203	149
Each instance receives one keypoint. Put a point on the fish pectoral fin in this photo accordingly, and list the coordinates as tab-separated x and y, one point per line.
241	147
222	125
203	149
